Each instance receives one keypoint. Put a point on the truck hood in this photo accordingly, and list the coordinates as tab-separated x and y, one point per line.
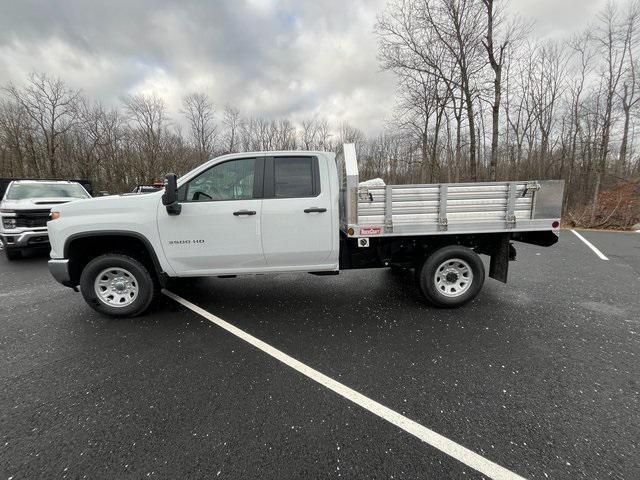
107	205
35	203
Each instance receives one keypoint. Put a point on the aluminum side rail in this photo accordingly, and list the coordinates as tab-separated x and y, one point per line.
448	208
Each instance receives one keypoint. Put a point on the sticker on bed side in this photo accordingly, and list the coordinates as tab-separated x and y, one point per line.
370	230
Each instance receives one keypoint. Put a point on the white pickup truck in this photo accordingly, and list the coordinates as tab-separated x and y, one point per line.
24	211
295	211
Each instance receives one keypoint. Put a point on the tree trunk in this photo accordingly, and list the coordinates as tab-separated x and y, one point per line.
496	65
472	135
424	156
625	138
435	166
495	114
596	192
458	147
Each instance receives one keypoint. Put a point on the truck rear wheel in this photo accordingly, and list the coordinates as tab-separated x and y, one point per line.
117	285
451	276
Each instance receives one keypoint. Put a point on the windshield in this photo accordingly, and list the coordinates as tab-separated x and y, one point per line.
20	191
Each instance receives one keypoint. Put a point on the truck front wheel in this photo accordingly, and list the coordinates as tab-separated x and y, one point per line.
451	276
117	285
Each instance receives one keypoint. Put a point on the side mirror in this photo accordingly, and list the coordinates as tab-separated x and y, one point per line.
170	195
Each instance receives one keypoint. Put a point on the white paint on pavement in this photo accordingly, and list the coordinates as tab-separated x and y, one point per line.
451	448
590	245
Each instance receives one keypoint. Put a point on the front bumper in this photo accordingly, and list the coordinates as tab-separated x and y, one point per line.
31	238
59	268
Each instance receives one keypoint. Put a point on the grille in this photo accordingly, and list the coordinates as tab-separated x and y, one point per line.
32	218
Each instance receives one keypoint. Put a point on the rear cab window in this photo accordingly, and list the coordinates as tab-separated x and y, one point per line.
292	177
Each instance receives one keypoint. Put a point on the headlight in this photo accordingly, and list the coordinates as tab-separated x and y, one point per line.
54	215
9	222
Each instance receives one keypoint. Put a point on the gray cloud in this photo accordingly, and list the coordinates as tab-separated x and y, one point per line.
557	18
267	57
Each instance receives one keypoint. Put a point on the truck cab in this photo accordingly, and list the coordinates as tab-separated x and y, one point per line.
239	213
272	212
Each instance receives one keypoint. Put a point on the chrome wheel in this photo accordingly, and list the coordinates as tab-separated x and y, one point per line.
116	287
453	277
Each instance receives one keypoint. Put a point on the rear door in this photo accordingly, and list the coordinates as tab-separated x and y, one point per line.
297	229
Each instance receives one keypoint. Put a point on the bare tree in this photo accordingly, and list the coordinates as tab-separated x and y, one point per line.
497	53
15	130
442	38
285	135
629	97
232	122
52	107
613	35
200	114
148	121
582	58
315	134
420	110
518	110
547	88
309	132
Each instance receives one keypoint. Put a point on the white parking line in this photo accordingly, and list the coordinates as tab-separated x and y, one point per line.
451	448
590	245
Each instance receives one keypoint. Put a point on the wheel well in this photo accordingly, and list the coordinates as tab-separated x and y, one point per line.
80	251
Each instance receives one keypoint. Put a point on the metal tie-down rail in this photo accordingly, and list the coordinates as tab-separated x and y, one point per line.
453	208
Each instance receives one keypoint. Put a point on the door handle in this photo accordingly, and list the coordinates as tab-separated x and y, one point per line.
244	212
315	210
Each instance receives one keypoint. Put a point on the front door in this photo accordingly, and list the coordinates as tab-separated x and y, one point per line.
218	229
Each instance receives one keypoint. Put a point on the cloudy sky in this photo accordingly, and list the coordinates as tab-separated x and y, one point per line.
298	58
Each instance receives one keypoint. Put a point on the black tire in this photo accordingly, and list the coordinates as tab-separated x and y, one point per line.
427	276
13	254
146	283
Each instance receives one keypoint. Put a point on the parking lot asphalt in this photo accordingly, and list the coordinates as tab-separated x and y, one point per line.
540	375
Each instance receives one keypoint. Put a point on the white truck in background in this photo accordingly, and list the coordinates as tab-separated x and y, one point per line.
295	211
25	209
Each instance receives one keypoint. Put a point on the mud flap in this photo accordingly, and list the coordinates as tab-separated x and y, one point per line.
502	253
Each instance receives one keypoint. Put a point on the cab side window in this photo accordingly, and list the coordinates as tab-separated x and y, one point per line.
295	177
232	180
